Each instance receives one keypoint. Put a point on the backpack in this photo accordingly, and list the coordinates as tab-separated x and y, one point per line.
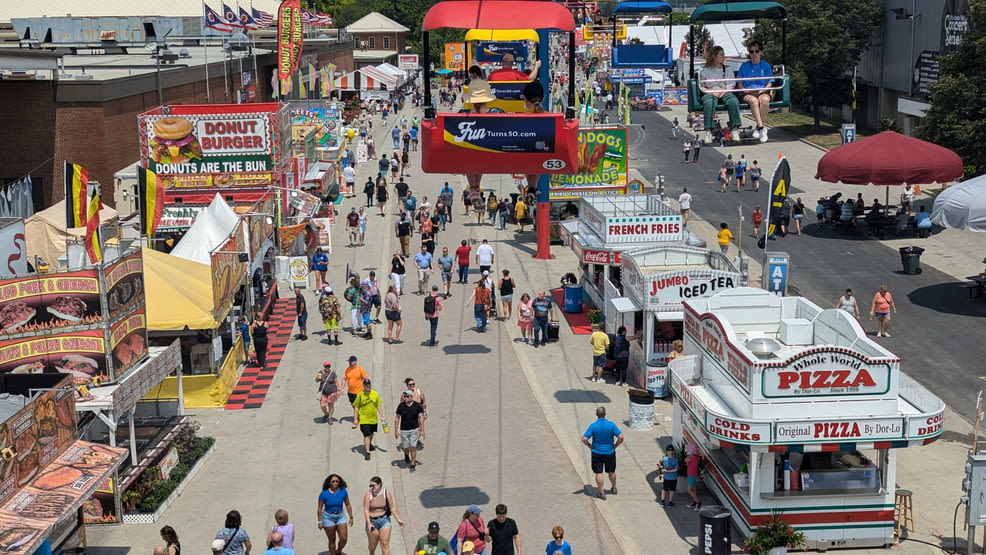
351	294
430	304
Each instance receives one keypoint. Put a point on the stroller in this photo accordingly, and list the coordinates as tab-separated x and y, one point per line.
491	313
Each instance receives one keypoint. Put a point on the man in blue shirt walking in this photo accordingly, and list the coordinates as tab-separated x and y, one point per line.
602	438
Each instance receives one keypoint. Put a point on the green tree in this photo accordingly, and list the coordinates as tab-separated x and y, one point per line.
824	42
957	117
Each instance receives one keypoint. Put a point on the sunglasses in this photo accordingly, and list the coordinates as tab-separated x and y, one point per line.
559	537
754	51
333	481
410	384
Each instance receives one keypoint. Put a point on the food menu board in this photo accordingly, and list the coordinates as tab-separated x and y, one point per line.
42	302
58	491
128	341
81	354
124	285
38	433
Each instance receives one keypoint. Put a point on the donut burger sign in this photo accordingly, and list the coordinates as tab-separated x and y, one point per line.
210	146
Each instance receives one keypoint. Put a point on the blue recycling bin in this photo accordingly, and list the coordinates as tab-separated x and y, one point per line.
573	299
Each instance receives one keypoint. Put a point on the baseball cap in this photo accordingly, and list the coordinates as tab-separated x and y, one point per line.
486	272
326	363
474	509
468	546
409	393
433	526
352	358
434	288
366	381
372	273
353	209
218	545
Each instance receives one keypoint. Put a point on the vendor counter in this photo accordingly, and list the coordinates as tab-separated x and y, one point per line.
203	391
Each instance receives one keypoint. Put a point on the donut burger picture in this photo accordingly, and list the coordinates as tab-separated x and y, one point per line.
173	141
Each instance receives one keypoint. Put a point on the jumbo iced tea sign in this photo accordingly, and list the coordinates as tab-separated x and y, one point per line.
825	374
669	289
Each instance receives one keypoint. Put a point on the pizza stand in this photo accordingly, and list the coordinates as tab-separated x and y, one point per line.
46	472
796	409
151	424
610	225
656	280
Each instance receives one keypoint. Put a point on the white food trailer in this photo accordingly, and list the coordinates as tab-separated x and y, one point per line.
796	409
607	227
655	282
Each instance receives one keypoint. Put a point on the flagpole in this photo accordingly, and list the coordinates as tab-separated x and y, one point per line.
205	43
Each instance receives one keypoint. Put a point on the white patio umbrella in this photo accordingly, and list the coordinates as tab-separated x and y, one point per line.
962	206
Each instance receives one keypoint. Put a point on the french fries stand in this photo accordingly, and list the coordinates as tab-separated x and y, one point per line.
795	409
609	225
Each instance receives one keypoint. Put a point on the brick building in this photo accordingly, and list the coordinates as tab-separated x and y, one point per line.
377	39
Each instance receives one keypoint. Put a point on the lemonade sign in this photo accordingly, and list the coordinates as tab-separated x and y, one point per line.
602	165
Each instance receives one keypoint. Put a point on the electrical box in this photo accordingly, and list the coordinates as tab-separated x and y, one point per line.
975	468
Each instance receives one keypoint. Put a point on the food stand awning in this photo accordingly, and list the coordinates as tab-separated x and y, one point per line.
55	496
380	76
179	293
623	304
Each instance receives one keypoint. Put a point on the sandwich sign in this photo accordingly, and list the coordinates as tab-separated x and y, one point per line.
209	146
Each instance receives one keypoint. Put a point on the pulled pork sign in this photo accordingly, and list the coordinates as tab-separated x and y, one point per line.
31	304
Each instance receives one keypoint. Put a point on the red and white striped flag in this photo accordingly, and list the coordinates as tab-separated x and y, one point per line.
262	18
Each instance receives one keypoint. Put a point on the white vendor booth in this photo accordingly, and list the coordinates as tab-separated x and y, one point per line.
607	227
655	281
795	409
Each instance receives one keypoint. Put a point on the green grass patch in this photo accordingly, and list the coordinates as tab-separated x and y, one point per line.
802	126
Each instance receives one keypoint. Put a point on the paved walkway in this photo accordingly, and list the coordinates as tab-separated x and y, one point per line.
504	426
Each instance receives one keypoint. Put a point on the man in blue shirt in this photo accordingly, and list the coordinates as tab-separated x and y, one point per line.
423	262
602	438
759	99
543	312
396	135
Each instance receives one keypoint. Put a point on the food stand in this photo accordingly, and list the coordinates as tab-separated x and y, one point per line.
656	280
119	403
608	226
796	409
47	473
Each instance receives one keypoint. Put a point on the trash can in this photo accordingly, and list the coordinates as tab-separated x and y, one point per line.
910	258
641	416
714	530
573	299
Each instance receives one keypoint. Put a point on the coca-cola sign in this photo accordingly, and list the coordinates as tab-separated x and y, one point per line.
595	257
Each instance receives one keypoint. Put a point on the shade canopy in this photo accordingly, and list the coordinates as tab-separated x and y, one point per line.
179	293
734	10
641	7
498	14
889	158
962	206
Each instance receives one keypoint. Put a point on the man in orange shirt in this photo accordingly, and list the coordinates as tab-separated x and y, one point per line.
354	376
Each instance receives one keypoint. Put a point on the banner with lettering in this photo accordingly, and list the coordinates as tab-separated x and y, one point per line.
227	270
501	133
603	167
290	37
42	302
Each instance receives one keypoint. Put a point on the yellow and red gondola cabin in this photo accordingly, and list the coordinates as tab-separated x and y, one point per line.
531	143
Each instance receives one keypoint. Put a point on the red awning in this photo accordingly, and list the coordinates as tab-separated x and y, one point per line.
498	14
889	158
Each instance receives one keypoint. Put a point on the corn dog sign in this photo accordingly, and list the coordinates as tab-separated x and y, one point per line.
602	165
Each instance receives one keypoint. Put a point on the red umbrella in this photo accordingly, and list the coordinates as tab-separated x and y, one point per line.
889	158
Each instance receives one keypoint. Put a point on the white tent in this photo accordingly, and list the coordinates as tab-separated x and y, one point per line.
210	230
45	232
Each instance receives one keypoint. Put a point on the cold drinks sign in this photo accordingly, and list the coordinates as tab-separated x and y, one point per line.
667	290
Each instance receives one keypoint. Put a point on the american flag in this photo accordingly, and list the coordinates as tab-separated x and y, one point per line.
308	17
263	19
230	16
215	21
323	19
247	21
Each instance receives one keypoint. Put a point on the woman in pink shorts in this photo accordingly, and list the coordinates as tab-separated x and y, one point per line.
525	317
